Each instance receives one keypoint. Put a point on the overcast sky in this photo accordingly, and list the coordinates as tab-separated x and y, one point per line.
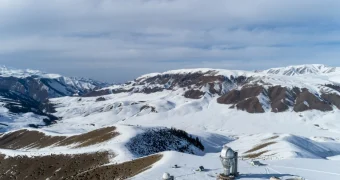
118	40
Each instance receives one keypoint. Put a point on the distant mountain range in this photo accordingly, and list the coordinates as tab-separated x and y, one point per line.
41	86
28	91
300	88
293	88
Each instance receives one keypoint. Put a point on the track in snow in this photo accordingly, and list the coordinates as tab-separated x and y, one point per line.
303	169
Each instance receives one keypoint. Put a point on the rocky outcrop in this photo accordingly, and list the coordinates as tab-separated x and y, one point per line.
332	98
244	99
280	98
235	96
251	105
100	99
193	94
231	97
145	107
308	101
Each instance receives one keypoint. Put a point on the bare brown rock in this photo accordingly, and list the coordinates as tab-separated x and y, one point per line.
251	105
250	91
245	99
332	98
193	94
235	96
277	96
231	97
212	89
307	101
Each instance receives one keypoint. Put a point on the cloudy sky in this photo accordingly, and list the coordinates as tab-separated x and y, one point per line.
117	40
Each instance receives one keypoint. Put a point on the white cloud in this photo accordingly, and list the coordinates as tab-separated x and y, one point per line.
135	36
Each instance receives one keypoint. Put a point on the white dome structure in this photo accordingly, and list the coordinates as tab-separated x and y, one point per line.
167	176
227	152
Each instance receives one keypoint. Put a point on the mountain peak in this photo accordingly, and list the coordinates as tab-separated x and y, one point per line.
23	73
301	69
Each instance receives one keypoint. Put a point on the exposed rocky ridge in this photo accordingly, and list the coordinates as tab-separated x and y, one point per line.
306	100
332	98
244	99
279	98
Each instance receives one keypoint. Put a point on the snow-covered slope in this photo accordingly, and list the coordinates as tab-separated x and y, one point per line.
288	122
302	70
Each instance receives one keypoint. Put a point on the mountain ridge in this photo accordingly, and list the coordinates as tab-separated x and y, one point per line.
302	70
250	91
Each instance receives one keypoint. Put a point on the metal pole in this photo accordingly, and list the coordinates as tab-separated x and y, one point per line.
236	164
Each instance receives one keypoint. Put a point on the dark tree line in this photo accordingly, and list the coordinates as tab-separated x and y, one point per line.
163	139
182	134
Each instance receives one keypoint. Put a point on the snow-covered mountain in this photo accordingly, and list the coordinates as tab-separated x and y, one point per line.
178	120
302	70
40	86
28	91
254	92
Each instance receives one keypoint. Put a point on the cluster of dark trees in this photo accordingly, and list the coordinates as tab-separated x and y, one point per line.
182	134
163	139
